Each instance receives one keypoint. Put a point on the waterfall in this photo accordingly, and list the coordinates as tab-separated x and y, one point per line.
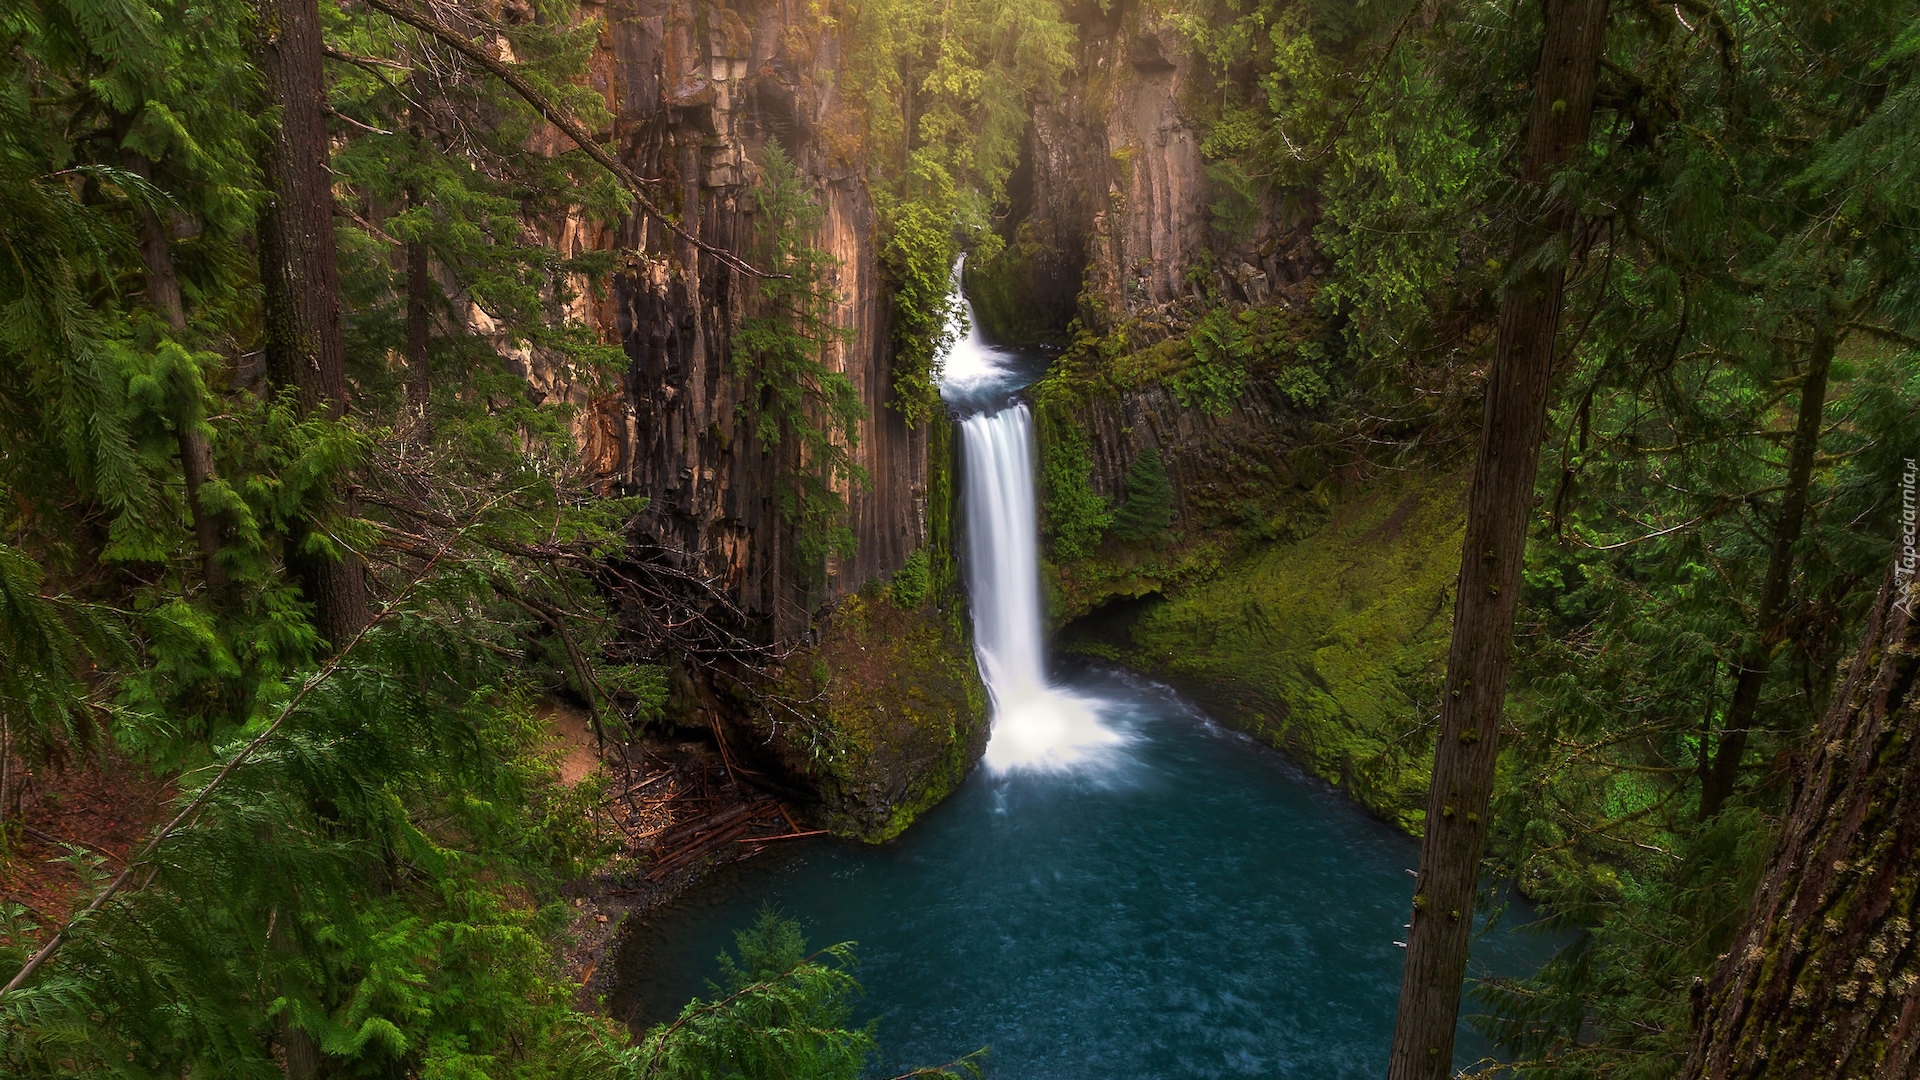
1003	564
1035	725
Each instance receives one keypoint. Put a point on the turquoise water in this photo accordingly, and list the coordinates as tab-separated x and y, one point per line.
1186	903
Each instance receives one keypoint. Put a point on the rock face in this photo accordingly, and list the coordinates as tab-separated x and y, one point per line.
1112	214
698	93
698	98
1223	468
895	704
1114	222
1290	596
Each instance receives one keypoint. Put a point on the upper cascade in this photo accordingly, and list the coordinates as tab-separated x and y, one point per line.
976	376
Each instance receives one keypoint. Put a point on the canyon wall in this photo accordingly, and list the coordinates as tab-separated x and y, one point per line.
1294	595
1118	242
699	91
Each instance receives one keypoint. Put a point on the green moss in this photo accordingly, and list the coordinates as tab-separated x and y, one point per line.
1206	362
892	714
885	714
1330	646
1316	618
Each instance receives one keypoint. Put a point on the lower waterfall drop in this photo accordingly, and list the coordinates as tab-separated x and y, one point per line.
1035	724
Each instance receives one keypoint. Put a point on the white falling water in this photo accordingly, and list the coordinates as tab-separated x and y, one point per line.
1035	725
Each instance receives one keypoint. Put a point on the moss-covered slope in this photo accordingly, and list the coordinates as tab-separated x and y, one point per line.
1330	646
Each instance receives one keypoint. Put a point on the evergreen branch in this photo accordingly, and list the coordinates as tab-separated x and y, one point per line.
1366	90
368	128
187	813
1885	332
713	1007
590	687
364	61
547	108
1641	539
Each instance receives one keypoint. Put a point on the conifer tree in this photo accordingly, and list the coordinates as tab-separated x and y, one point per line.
1147	511
1822	980
1689	444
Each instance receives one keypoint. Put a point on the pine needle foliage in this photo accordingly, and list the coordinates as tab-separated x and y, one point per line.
440	168
1147	511
779	1012
1724	263
369	846
1746	214
365	876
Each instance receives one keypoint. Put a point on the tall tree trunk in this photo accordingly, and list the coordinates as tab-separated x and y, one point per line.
300	276
1770	619
1498	506
196	454
1823	980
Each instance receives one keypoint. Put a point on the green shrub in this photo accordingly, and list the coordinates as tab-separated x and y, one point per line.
781	1012
913	583
1218	375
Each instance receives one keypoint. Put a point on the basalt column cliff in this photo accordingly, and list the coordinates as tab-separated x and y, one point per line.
699	93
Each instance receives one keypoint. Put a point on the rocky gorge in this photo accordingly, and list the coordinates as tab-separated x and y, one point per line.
1113	252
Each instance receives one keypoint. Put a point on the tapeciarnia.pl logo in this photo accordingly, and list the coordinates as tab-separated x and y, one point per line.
1904	562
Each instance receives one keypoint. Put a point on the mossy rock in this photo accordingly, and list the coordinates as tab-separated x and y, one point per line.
891	714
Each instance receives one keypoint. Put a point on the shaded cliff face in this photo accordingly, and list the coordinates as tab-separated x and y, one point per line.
1239	478
1225	468
698	92
1111	213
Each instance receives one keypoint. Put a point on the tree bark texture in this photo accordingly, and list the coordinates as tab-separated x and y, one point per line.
1498	507
1770	618
1823	981
299	275
299	269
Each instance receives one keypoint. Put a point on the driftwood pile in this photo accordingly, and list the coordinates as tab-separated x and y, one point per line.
677	814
